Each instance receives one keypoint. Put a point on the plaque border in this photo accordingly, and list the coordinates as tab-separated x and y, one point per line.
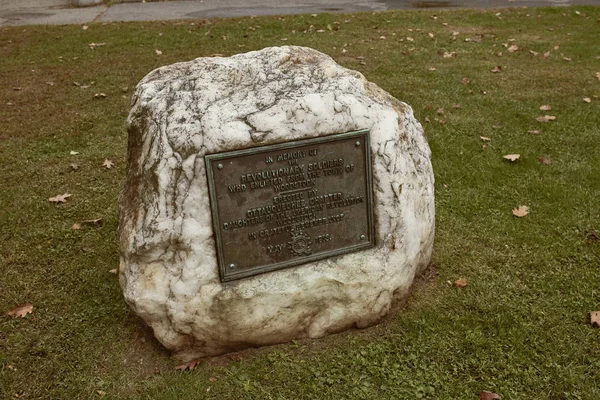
227	276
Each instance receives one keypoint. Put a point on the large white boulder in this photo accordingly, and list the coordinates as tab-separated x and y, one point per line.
168	269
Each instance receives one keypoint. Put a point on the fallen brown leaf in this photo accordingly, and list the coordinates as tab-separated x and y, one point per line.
546	118
534	132
544	160
535	53
94	45
113	271
61	198
598	75
595	319
75	166
521	211
485	139
546	54
587	99
76	226
212	379
465	80
546	107
99	95
497	69
460	282
190	365
158	52
512	157
97	221
485	395
108	163
21	311
513	48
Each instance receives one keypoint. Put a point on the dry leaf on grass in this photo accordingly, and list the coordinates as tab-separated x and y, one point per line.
512	157
544	160
94	45
96	221
485	395
113	271
485	139
465	81
158	52
21	311
76	226
598	75
108	163
521	211
99	95
595	319
212	379
534	132
546	107
513	48
61	198
587	99
546	118
190	365
460	282
497	69
73	153
75	166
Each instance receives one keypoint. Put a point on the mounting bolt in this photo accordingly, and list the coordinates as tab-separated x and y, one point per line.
357	143
231	266
362	237
220	166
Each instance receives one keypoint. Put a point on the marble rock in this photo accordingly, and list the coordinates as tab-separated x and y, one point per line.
168	267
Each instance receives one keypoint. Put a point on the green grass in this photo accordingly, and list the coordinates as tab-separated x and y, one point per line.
519	328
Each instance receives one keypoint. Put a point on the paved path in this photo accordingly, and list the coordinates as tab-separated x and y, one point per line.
57	12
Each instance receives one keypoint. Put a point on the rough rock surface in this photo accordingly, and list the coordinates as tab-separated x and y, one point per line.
168	268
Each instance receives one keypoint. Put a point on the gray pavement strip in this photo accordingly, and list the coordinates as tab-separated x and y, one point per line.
51	12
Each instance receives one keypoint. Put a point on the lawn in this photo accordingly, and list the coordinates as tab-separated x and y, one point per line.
519	328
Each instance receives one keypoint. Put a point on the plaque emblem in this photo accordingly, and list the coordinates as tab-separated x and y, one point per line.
300	244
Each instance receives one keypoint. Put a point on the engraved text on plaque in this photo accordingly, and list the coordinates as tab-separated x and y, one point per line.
291	203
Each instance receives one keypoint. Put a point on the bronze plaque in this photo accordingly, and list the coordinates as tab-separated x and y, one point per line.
282	205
